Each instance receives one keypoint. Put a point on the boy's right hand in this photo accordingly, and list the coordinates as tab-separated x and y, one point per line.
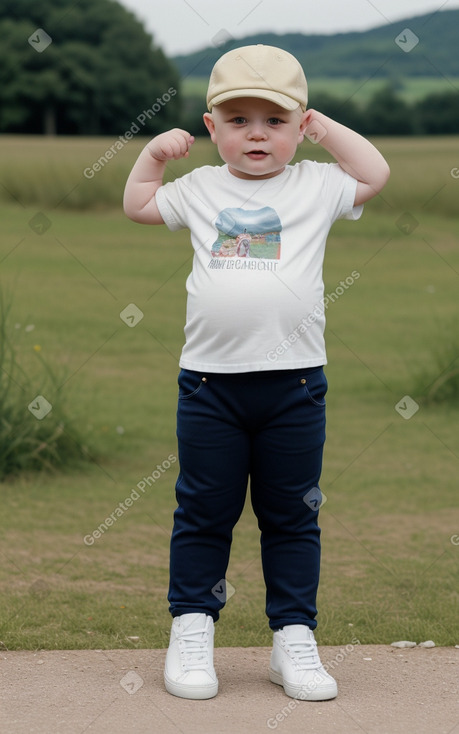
147	174
171	145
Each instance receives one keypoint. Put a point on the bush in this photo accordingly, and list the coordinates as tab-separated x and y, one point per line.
388	114
437	381
344	111
439	113
35	432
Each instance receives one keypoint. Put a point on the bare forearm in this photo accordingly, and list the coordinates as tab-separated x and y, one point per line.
144	180
147	174
354	153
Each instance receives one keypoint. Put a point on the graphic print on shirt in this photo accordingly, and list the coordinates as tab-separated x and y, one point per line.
248	233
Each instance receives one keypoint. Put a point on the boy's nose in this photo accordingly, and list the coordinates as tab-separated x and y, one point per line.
257	132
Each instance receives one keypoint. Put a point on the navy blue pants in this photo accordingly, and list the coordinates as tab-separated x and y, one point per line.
269	426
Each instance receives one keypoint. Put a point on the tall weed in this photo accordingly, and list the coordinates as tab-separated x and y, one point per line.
36	431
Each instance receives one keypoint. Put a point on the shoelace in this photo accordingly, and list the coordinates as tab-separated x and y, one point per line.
195	648
304	654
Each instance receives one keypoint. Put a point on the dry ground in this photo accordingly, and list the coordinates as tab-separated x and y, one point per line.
382	690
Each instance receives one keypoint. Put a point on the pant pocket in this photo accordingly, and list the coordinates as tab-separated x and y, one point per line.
314	386
190	383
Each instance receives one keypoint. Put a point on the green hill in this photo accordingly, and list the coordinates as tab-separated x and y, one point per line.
374	53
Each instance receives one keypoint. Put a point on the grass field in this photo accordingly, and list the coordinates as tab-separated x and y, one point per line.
391	520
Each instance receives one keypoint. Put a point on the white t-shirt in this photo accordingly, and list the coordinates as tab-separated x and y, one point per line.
255	292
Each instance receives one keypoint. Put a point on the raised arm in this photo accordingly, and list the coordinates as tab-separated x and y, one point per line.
354	153
147	174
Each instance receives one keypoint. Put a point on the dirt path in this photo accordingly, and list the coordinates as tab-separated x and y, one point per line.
382	690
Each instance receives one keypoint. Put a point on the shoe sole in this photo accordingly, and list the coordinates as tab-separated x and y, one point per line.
303	692
198	693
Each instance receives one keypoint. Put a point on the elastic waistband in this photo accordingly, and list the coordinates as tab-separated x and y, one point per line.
259	373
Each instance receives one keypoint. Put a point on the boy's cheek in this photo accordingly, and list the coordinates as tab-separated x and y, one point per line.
226	148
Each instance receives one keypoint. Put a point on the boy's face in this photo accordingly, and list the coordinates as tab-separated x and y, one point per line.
255	137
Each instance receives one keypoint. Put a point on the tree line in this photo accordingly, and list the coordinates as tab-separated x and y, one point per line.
90	68
385	113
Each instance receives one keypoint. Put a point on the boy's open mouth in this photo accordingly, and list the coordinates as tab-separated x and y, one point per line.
256	154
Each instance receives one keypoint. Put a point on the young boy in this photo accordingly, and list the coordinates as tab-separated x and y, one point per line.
251	386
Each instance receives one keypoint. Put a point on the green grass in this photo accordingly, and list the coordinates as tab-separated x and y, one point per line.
48	174
389	568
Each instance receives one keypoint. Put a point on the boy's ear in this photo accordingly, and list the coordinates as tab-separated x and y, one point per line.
210	125
303	125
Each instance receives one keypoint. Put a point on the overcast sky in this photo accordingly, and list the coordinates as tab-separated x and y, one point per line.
181	26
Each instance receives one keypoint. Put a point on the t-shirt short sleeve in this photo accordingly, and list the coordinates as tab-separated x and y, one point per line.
339	192
171	200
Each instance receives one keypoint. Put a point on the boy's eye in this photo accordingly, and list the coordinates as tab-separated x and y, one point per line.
239	120
274	121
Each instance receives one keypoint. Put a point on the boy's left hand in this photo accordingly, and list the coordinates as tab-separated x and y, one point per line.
356	155
315	131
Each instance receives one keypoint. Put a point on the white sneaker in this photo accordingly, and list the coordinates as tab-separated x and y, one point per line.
189	671
295	665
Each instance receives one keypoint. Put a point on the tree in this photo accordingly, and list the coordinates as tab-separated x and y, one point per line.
388	114
345	111
439	113
98	71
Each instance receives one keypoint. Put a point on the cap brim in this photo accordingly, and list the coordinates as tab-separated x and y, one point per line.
288	103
